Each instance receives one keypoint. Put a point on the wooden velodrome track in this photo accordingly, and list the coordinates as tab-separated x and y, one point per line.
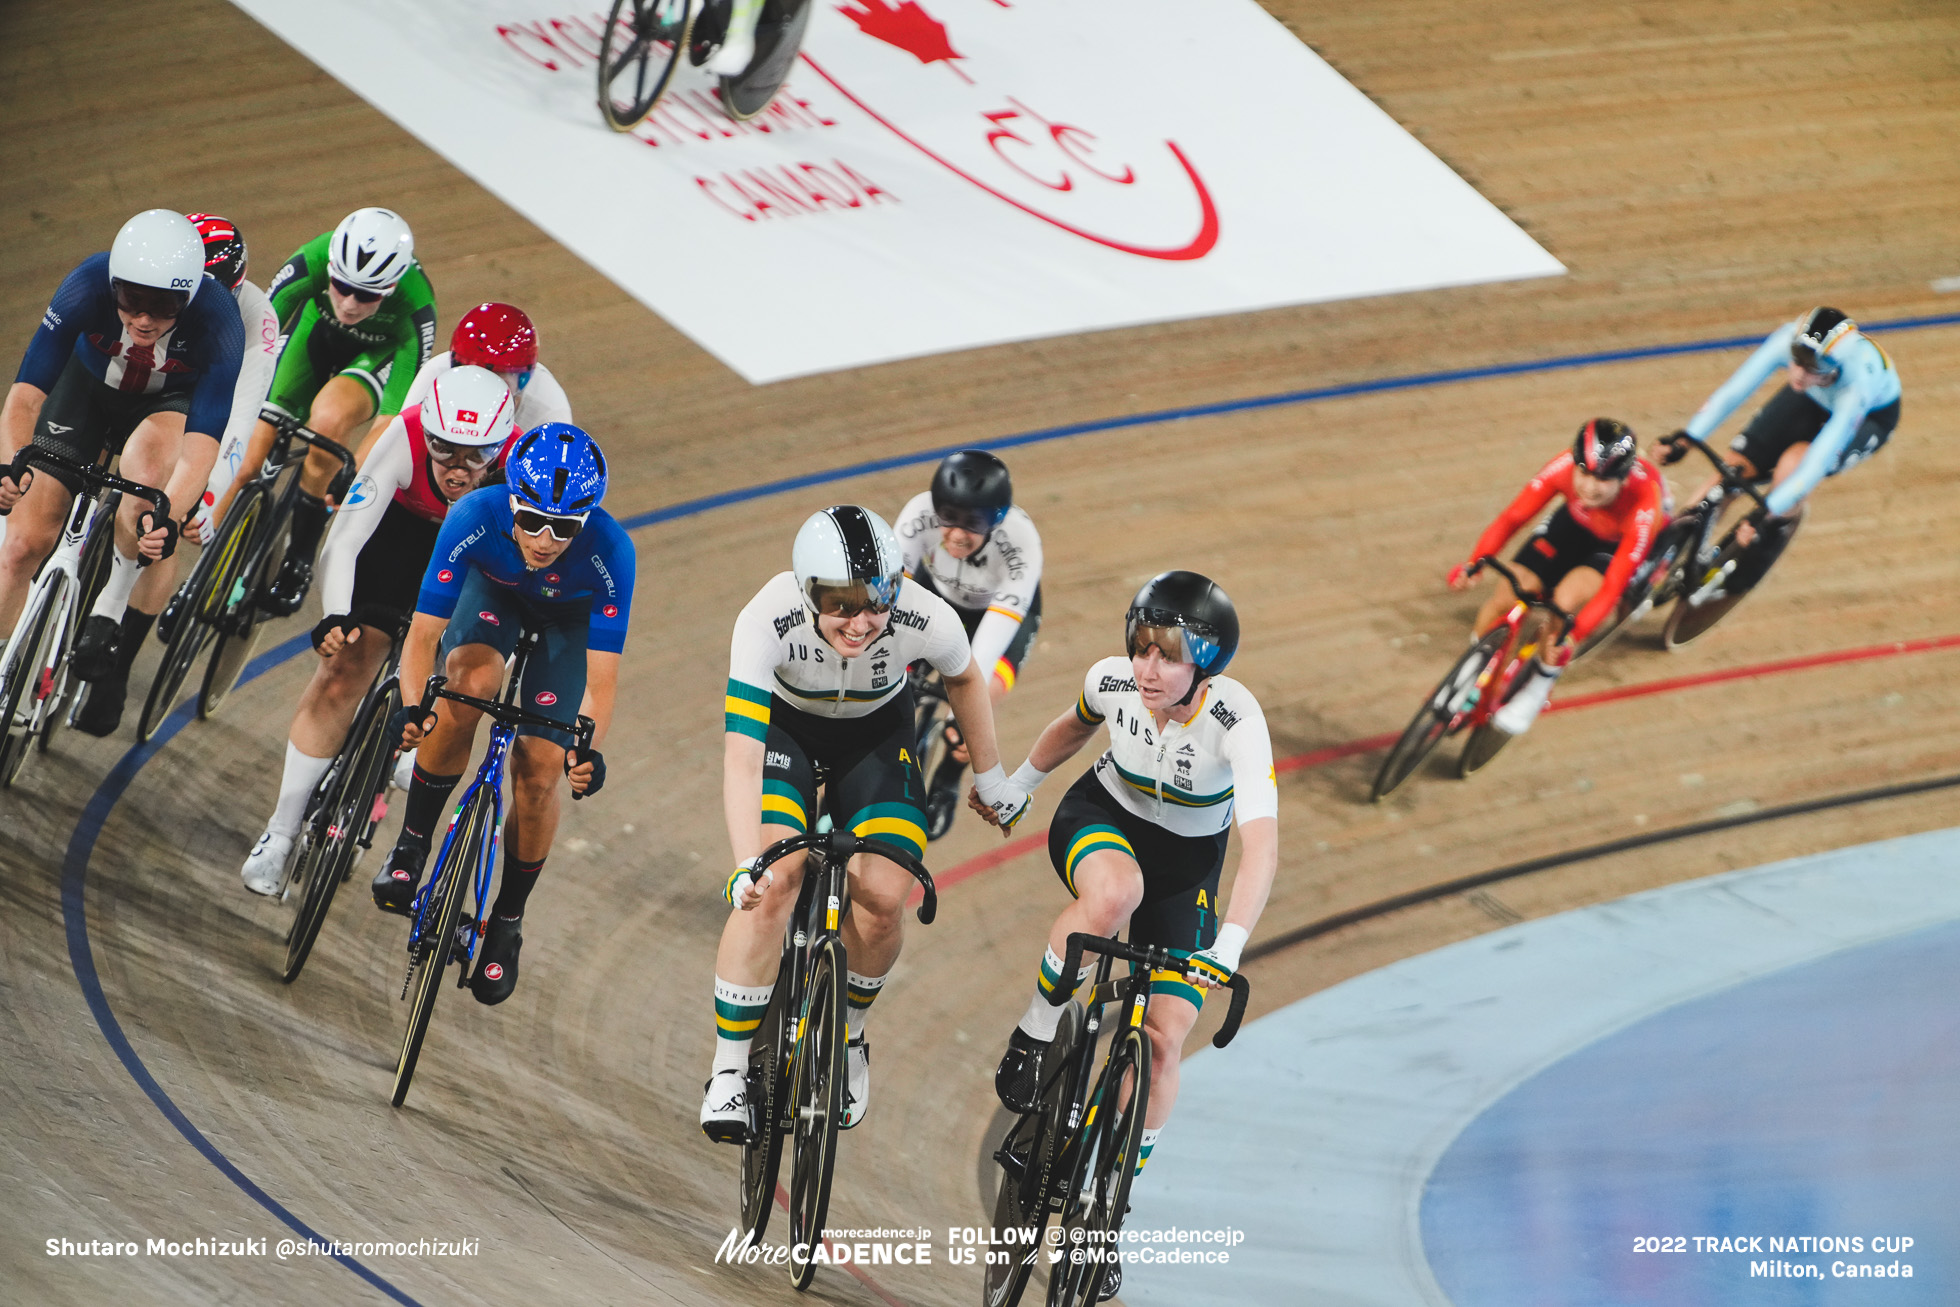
1704	171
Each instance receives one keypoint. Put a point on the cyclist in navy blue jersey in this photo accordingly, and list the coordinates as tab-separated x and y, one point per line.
138	354
537	552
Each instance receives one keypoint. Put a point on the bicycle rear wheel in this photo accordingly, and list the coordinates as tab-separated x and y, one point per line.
762	1155
438	943
206	605
778	40
238	639
27	677
1027	1157
638	54
1101	1203
357	776
817	1100
1453	696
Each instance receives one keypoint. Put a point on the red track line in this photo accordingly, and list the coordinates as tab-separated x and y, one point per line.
1335	752
782	1201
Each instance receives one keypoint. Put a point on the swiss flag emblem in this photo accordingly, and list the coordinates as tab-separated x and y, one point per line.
546	698
467	415
611	610
445	576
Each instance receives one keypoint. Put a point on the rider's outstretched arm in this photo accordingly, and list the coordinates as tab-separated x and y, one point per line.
601	684
973	709
1771	355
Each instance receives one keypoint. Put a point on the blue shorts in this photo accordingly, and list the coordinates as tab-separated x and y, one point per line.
554	679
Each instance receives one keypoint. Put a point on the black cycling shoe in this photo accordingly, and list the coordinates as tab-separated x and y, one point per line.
1018	1078
942	805
99	651
167	619
395	884
101	713
1112	1281
496	964
288	590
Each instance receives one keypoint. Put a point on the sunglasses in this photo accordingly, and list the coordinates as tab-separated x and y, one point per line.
140	301
978	521
472	456
1804	354
851	598
364	296
531	523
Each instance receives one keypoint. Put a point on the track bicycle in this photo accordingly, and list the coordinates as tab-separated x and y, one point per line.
439	933
932	714
345	809
223	604
644	41
38	686
796	1063
1469	695
1073	1158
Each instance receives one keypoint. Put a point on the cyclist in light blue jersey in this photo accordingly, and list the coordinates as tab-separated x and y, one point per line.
1838	406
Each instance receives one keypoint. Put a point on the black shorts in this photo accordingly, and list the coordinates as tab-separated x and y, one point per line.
1180	872
388	573
1017	648
554	679
86	420
1791	418
1561	544
872	783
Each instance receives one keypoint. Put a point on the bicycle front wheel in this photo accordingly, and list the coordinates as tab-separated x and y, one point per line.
762	1155
1028	1157
817	1100
238	639
1103	1199
27	677
444	914
1486	741
778	40
357	777
641	48
214	588
1453	696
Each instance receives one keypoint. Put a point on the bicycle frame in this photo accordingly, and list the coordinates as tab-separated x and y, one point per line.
1707	513
1498	674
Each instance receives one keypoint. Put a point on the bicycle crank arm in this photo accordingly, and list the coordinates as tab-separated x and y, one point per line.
1711	585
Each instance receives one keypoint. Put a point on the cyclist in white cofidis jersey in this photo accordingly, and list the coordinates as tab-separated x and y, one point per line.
967	542
816	681
1140	838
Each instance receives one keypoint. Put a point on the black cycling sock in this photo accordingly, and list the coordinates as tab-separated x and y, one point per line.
426	796
135	630
520	877
309	520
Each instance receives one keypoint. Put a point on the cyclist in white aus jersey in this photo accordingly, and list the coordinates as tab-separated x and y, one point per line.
1140	837
816	680
965	541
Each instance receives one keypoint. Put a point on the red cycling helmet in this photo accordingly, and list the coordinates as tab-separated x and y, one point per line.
224	248
1606	448
494	336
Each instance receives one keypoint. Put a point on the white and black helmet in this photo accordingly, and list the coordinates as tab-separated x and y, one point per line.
371	249
847	560
159	250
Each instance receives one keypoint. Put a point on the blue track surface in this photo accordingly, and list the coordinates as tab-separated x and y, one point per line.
1817	1101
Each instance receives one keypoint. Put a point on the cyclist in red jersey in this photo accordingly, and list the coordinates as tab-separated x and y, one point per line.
1615	504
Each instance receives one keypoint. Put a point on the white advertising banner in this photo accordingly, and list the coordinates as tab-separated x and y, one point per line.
937	174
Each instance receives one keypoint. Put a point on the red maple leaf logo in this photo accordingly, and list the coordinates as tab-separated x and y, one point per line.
906	26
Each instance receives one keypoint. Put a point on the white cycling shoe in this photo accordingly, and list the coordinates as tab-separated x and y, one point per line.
264	871
857	1082
737	50
1516	717
725	1108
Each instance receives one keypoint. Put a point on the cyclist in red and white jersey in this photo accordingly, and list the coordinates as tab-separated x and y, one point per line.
371	572
1584	553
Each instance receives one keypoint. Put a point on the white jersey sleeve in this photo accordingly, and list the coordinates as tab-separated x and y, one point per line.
425	379
542	400
1249	750
945	643
389	467
255	371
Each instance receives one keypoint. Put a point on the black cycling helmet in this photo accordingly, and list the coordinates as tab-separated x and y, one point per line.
972	491
1189	618
1817	332
1606	448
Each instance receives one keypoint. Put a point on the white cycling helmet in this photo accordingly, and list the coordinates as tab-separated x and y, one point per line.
371	249
469	406
846	559
159	249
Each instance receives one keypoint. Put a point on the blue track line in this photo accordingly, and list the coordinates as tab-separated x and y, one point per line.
82	843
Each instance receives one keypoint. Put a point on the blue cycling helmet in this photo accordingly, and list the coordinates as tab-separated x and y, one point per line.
557	469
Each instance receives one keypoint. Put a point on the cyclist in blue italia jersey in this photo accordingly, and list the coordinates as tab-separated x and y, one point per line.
1838	405
138	354
538	552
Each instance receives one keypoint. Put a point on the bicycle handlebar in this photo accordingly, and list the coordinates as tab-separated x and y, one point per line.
844	845
89	473
1530	601
1150	958
1731	475
291	429
509	714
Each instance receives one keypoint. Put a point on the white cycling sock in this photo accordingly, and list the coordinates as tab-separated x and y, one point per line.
739	1009
860	992
114	599
295	787
1042	1016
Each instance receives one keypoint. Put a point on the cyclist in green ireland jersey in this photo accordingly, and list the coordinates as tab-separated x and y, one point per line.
359	318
